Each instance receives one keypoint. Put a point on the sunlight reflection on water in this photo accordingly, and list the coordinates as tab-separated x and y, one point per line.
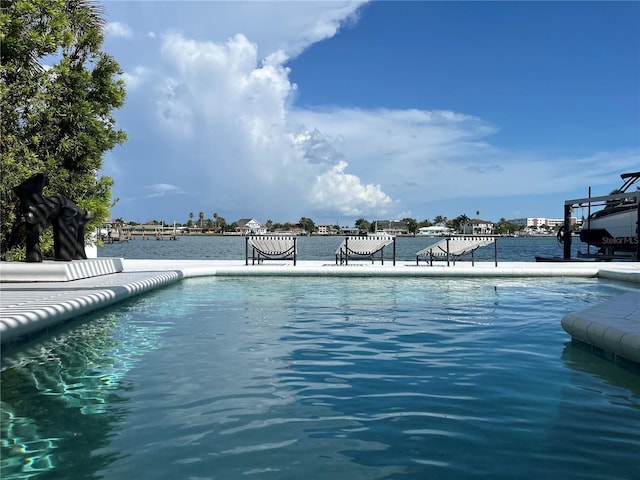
385	378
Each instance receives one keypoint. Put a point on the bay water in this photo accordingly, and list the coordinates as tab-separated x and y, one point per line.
230	247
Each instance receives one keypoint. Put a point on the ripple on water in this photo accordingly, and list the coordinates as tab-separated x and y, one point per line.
290	378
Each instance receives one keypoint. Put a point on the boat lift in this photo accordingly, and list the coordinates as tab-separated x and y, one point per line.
631	247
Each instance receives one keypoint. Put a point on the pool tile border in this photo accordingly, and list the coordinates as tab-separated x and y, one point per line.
27	309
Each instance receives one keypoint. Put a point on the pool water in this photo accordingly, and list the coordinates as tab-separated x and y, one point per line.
316	378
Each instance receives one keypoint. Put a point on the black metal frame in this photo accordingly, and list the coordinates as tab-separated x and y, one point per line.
600	201
342	258
452	257
259	256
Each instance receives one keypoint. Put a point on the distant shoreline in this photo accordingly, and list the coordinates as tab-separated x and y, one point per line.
206	234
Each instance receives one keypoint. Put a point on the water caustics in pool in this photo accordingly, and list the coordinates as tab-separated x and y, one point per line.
324	377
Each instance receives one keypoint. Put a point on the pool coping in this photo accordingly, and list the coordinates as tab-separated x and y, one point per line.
28	308
611	327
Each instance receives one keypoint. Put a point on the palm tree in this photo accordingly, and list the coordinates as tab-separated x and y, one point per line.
215	216
440	220
362	225
462	221
201	218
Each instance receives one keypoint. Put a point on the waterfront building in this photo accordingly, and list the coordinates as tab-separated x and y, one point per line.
326	229
541	222
475	226
435	230
250	226
391	227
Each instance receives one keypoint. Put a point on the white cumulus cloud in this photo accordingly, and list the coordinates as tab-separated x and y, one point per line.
346	194
211	114
136	77
232	106
118	29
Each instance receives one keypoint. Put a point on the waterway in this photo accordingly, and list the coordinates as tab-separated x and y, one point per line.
509	249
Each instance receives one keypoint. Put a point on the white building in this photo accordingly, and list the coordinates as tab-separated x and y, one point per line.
541	222
250	226
475	226
326	229
391	227
435	231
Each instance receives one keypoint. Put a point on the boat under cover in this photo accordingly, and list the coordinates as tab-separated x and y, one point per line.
615	227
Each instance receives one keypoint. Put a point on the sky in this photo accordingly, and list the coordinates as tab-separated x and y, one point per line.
340	110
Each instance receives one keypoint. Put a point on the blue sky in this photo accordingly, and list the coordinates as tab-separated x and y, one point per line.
337	110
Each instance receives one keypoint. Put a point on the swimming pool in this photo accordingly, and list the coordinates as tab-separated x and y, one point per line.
324	377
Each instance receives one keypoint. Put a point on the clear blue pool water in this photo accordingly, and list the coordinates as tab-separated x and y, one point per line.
282	378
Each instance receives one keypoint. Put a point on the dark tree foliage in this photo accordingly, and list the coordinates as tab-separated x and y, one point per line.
57	94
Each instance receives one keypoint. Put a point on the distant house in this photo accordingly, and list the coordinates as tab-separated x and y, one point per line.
294	230
435	230
392	227
475	226
349	231
326	229
250	226
298	231
150	229
541	222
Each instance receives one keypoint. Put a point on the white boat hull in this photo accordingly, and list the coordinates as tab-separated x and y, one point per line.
617	230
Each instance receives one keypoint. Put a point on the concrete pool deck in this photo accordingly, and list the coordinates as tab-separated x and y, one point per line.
27	308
